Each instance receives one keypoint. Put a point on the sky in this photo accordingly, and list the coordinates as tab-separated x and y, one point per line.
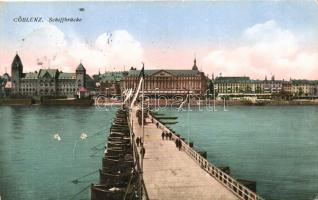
232	38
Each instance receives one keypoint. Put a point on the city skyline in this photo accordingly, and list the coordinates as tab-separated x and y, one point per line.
259	39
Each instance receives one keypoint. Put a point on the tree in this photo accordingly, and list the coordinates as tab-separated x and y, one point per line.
300	91
211	87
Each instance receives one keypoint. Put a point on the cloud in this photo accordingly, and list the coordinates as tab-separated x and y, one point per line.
47	44
121	47
265	49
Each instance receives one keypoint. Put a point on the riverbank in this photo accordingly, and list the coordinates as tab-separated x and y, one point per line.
16	102
152	102
45	102
175	103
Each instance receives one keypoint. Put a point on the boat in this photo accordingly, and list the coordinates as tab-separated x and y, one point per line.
167	118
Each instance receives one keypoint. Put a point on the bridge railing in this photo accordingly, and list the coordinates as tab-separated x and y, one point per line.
137	160
226	180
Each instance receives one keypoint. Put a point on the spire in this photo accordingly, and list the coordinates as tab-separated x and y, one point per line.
80	67
16	63
195	64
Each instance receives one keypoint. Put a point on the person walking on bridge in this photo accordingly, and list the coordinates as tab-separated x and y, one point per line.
170	135
167	135
137	141
142	152
180	144
163	135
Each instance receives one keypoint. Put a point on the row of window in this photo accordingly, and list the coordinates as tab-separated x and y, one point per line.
33	89
46	85
165	78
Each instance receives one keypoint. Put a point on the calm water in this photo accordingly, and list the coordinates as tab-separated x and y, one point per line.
276	146
35	166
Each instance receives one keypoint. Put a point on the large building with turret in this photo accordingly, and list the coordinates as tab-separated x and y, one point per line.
46	82
168	82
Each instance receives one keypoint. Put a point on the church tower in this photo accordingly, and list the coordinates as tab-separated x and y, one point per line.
194	67
80	76
16	74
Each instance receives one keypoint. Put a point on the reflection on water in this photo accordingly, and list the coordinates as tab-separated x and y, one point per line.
33	165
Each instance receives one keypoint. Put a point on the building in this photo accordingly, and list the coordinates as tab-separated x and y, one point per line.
168	82
5	85
229	85
287	87
272	86
242	86
281	89
304	88
46	82
109	83
2	85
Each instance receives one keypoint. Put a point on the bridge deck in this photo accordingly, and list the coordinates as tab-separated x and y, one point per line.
172	174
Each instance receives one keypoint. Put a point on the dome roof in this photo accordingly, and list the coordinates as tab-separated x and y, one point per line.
6	76
194	67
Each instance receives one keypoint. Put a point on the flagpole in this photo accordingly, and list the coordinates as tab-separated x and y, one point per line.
189	117
142	123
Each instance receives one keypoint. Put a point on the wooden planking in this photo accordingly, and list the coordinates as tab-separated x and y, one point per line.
172	174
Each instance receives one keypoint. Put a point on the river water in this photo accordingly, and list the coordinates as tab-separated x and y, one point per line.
275	146
33	165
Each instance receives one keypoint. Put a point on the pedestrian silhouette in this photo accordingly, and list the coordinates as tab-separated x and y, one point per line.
142	151
180	144
137	141
166	135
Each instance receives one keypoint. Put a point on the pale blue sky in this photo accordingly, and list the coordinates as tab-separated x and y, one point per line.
282	39
173	23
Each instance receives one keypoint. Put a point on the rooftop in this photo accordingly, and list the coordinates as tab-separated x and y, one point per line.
151	72
80	67
111	76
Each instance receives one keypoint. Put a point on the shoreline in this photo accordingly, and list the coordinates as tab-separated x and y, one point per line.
161	103
237	103
45	102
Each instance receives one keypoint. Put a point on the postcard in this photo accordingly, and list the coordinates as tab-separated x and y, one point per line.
165	100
